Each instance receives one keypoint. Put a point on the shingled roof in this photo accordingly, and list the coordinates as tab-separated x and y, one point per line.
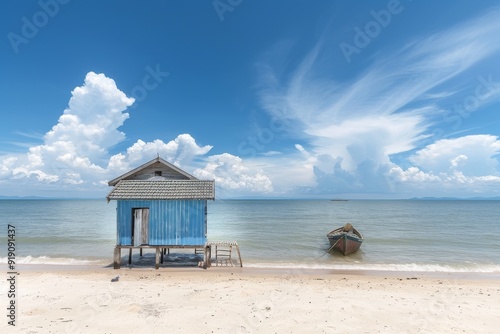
162	190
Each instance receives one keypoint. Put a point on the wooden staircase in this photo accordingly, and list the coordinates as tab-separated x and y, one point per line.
223	252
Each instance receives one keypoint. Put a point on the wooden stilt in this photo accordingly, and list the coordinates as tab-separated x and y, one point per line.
161	251
239	255
157	258
206	256
117	257
209	259
205	253
140	251
130	256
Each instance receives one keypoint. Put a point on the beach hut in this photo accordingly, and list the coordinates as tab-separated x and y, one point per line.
160	206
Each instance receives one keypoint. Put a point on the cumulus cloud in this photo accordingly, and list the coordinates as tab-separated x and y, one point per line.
75	151
474	155
453	183
179	151
465	165
230	172
412	174
94	114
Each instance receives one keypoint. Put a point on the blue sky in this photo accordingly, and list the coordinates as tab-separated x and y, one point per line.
272	99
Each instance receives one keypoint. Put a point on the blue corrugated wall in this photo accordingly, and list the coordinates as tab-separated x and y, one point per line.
171	222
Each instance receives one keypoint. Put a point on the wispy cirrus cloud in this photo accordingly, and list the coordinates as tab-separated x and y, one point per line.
386	109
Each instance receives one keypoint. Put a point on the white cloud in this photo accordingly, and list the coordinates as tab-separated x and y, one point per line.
271	153
453	183
474	155
464	166
287	172
6	166
77	146
179	151
459	160
89	125
301	148
412	174
368	138
76	150
36	174
230	172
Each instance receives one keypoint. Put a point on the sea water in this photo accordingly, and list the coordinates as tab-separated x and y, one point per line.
413	235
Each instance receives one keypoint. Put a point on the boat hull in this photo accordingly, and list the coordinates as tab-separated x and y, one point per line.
344	242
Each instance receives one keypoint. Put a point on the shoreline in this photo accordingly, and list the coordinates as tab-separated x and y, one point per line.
299	271
248	300
147	261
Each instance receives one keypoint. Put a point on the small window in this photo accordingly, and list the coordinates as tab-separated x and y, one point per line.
157	172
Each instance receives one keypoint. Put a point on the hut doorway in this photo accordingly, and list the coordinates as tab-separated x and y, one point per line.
140	226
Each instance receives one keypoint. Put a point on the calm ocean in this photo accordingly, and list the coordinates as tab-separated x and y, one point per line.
449	236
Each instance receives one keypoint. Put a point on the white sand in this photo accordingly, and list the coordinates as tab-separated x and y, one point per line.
251	301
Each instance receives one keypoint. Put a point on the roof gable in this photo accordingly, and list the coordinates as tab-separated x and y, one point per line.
154	168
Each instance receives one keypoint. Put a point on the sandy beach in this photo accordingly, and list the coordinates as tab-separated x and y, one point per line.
246	300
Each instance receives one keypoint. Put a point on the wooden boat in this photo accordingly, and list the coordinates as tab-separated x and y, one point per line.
345	239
